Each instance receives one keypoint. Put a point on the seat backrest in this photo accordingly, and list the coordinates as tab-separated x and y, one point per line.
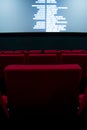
7	52
43	59
14	51
73	51
65	51
80	59
50	51
77	51
18	51
35	51
48	86
7	59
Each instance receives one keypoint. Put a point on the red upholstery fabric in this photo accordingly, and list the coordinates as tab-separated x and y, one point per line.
7	59
43	85
35	51
50	51
12	58
42	59
80	59
73	51
13	51
5	100
3	104
82	103
77	51
20	51
65	51
7	51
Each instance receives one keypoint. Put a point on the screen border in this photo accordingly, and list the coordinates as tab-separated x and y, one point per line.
43	34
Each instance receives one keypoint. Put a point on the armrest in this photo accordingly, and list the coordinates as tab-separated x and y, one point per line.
3	103
82	103
5	99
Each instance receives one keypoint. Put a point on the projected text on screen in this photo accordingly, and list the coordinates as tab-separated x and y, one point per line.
47	16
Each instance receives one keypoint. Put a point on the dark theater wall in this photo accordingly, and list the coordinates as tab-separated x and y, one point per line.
46	42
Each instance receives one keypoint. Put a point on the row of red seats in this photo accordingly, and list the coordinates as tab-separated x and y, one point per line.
33	87
44	51
64	58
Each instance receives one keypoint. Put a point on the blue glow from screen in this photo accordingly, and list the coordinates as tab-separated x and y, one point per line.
17	15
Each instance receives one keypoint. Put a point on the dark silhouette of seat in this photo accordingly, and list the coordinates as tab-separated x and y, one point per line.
80	59
43	59
42	89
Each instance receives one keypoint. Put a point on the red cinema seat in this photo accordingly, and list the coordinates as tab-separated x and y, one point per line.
6	52
42	89
50	51
1	51
80	59
65	51
35	51
14	51
73	51
20	51
77	51
17	51
3	105
43	59
85	51
8	59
